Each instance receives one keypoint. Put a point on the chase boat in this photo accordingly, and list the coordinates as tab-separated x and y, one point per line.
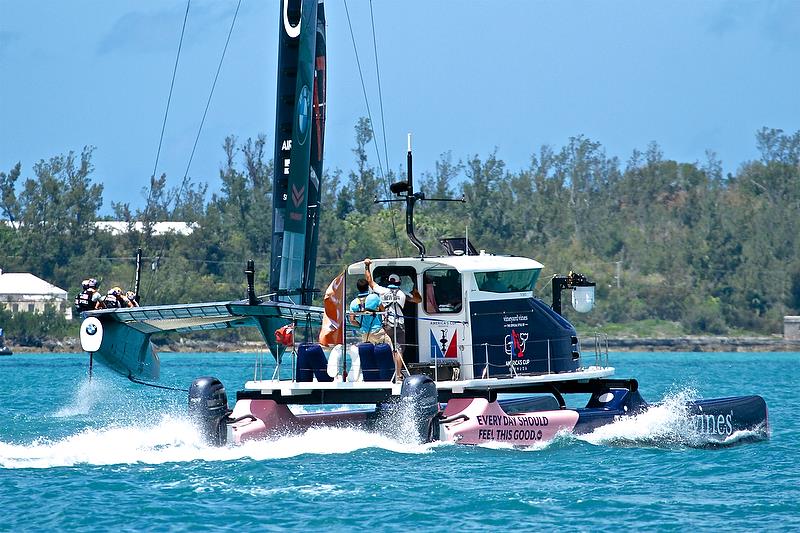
487	360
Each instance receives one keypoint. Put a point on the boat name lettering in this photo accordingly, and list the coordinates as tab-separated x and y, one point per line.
519	420
714	424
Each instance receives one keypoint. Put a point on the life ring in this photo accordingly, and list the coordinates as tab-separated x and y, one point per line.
335	361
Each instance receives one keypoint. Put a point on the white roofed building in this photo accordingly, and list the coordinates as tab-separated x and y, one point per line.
27	293
120	227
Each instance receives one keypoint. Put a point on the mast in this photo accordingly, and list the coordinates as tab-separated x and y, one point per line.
299	140
315	171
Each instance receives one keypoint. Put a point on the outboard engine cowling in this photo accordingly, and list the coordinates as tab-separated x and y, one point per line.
208	408
419	394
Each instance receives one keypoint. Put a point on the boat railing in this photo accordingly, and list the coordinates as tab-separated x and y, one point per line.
548	363
601	349
541	360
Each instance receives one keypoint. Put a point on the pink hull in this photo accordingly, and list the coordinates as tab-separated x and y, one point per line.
272	419
474	421
485	421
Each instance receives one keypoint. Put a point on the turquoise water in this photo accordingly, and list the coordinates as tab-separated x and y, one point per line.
111	454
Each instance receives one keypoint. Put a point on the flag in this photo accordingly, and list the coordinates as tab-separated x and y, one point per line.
332	331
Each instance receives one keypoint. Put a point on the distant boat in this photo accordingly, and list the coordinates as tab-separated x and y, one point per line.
4	350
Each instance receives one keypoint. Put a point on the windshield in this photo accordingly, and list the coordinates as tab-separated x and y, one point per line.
507	280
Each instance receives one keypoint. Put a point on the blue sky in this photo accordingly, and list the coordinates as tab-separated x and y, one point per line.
464	76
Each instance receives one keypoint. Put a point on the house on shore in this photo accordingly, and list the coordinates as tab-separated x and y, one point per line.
28	293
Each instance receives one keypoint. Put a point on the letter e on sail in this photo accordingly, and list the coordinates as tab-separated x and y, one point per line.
332	331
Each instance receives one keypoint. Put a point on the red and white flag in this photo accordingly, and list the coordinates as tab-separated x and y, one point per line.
332	331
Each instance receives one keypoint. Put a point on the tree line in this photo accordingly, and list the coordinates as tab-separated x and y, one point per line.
664	240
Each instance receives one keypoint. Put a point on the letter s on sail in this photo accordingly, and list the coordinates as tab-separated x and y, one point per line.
291	31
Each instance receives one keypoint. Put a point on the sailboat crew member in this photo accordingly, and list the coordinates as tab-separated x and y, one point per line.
89	297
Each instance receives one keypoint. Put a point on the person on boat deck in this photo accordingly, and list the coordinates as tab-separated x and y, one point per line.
116	298
89	298
133	299
365	314
394	299
83	301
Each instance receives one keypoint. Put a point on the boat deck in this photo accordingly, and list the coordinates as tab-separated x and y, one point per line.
294	392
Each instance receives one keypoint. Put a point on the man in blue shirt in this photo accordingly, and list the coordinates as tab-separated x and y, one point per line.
366	314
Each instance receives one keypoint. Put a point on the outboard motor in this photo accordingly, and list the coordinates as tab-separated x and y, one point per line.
418	393
208	408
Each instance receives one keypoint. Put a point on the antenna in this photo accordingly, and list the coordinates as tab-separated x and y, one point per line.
405	191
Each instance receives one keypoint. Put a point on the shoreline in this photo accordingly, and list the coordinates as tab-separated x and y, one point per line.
700	343
688	343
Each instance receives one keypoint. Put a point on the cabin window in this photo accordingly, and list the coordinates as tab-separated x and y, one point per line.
507	280
442	291
408	277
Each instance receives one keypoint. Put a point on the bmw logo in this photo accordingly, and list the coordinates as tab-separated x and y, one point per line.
303	113
91	329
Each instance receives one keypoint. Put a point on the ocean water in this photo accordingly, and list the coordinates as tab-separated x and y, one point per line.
110	454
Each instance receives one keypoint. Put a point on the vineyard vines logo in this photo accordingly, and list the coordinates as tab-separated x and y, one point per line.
291	31
303	113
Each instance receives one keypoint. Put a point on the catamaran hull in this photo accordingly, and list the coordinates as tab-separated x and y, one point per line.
480	421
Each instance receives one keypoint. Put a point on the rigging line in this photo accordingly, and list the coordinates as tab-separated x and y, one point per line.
383	123
169	97
166	113
211	94
380	93
363	88
366	99
202	122
371	127
146	384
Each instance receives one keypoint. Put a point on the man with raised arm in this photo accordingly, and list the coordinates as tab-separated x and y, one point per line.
393	299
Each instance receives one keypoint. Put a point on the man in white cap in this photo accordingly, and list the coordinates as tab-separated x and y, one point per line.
393	299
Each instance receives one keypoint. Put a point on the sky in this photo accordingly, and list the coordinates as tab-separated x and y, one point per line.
469	77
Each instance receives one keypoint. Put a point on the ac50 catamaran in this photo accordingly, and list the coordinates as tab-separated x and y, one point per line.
478	333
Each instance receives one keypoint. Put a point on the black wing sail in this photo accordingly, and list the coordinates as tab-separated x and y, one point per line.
123	335
315	170
299	132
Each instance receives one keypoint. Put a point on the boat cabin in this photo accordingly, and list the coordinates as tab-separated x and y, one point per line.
478	317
